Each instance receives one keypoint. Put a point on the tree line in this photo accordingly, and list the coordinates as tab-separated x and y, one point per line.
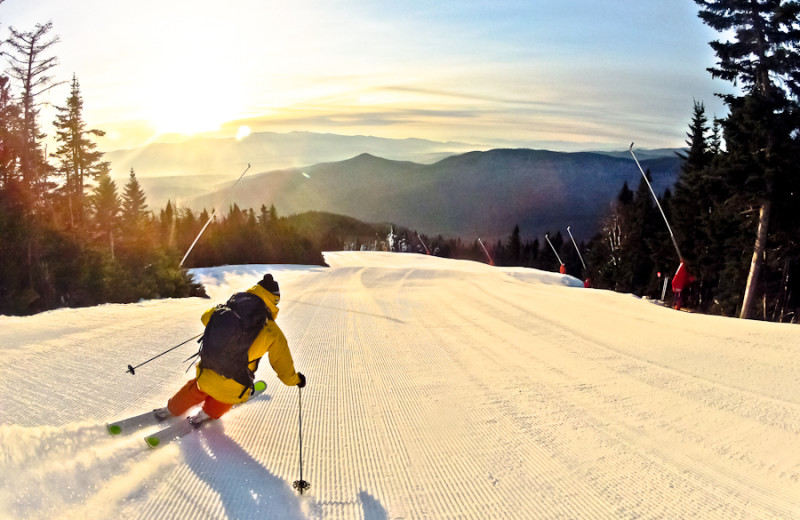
71	237
735	210
751	185
68	237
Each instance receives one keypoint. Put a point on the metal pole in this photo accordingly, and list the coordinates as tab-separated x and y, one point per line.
576	248
491	262
427	251
671	235
212	216
547	237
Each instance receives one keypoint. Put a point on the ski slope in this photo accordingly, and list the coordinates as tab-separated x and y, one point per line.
436	389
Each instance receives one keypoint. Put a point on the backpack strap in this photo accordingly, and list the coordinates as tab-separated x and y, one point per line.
196	354
252	387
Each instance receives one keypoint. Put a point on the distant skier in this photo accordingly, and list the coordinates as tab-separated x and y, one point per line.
237	335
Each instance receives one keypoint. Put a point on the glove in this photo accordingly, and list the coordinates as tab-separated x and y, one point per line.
302	382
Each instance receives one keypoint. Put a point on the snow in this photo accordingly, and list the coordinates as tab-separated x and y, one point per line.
437	389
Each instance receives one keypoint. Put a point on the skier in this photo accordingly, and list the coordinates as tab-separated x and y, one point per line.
219	393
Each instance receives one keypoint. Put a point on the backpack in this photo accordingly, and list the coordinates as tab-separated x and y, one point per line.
230	331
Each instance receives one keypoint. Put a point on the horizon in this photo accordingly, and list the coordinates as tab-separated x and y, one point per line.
523	74
171	139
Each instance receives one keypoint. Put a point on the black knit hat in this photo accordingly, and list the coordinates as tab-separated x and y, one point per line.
270	285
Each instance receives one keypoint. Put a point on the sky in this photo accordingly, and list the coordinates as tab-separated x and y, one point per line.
567	75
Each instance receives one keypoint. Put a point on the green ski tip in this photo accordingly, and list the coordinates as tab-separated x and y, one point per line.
260	386
113	429
153	441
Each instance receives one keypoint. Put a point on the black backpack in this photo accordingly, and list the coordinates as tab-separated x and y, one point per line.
230	331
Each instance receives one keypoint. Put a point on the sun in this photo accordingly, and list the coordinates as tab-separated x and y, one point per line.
189	116
192	105
243	132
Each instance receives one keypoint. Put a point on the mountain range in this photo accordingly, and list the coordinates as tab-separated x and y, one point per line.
475	194
266	151
448	188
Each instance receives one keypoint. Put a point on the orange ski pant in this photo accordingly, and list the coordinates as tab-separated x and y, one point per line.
190	396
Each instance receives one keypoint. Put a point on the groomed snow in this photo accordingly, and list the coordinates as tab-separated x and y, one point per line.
436	389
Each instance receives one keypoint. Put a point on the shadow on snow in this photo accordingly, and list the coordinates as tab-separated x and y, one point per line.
246	488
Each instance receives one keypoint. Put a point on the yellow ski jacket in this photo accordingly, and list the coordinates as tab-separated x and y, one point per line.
270	341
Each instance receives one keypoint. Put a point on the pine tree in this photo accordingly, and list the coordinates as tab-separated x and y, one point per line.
514	252
167	225
715	141
762	56
136	224
625	195
691	204
698	154
263	216
79	161
11	135
643	227
763	53
106	207
30	65
134	205
25	170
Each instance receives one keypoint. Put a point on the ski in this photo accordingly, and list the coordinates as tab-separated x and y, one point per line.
135	423
190	424
171	433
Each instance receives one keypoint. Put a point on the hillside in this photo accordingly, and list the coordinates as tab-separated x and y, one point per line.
436	389
331	231
222	157
468	195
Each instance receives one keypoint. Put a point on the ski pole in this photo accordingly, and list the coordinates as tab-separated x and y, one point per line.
300	485
132	370
671	235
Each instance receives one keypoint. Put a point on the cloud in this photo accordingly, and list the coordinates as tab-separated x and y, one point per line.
519	71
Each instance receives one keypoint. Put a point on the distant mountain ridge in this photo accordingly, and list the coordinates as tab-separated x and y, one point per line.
266	151
645	154
474	194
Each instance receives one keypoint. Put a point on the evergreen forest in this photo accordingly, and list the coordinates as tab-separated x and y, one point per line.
734	209
70	236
